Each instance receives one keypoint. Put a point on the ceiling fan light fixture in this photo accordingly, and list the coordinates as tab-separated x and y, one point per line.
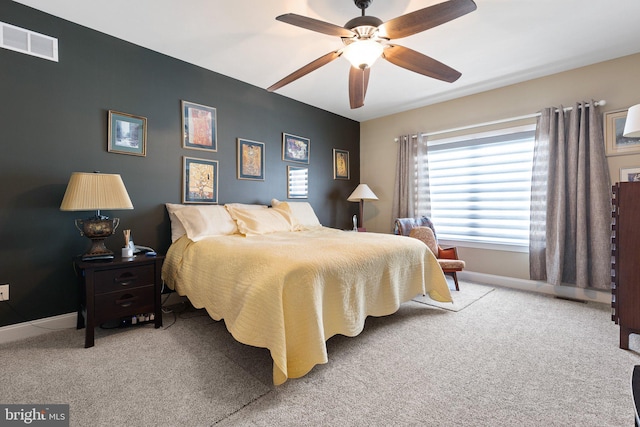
363	53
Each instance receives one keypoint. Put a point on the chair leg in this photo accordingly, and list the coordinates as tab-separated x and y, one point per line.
455	279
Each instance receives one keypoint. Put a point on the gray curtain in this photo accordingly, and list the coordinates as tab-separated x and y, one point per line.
570	235
411	197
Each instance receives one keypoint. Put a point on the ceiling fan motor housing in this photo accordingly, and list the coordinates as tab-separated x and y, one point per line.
364	26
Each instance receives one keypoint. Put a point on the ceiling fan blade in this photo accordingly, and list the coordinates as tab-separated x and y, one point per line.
315	25
419	63
313	65
426	18
358	82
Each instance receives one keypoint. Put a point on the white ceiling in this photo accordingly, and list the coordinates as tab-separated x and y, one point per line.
501	43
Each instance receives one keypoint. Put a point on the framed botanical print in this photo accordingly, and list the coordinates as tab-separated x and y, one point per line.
295	148
340	164
616	144
127	134
199	129
199	180
250	159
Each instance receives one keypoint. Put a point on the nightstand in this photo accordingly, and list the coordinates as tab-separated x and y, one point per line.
118	288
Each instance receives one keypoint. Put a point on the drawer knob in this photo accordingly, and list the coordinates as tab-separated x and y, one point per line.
126	279
126	301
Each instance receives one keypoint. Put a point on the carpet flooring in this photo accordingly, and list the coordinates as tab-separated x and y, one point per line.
467	295
509	358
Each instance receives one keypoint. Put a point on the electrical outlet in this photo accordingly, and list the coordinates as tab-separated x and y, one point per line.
4	290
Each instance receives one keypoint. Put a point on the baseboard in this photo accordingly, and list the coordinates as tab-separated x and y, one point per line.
37	327
34	328
538	286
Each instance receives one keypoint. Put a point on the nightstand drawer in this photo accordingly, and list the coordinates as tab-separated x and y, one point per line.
124	303
124	278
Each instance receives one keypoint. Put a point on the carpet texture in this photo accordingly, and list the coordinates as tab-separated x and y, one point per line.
467	295
139	376
511	358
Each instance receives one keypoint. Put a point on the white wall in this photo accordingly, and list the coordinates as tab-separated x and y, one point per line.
616	81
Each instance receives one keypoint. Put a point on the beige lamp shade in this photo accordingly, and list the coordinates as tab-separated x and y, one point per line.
362	192
95	191
632	124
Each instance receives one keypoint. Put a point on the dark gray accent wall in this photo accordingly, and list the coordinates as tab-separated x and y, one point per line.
53	121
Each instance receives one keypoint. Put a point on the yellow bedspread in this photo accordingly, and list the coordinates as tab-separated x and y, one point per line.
291	291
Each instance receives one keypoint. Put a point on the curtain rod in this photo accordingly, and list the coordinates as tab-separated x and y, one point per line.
495	122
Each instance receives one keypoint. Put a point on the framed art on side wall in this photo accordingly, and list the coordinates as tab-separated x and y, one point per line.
630	175
616	144
340	164
250	159
127	134
199	180
295	148
199	128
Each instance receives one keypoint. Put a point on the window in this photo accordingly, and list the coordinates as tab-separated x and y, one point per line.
480	187
297	182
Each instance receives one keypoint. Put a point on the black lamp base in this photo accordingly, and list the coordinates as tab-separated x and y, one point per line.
97	250
97	229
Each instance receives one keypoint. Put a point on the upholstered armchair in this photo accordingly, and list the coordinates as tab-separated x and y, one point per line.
422	229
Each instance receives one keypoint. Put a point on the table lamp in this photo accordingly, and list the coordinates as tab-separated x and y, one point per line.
96	191
360	194
632	124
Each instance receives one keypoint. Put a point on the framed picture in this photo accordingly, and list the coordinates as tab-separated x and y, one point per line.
630	175
199	129
199	180
250	159
340	164
297	182
616	144
295	148
127	134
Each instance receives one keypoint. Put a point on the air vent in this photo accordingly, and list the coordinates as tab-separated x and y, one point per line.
29	42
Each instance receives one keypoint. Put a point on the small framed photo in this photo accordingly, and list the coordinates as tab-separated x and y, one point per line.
340	164
127	134
630	175
199	180
616	144
295	148
297	182
199	129
250	159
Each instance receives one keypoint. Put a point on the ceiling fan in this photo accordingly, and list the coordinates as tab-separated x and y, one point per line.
365	39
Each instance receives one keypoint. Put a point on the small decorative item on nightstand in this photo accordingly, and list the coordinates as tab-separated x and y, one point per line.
118	289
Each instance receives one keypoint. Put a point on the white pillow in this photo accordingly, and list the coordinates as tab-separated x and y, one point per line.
301	213
252	222
199	221
245	206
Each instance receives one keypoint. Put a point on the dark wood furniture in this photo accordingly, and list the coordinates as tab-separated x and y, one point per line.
625	250
116	289
635	391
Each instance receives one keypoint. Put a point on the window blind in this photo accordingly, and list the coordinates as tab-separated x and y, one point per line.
298	187
480	187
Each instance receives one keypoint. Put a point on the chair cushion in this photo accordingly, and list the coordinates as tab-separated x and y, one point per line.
451	264
426	235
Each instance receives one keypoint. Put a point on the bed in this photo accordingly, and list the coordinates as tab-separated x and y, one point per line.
282	281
